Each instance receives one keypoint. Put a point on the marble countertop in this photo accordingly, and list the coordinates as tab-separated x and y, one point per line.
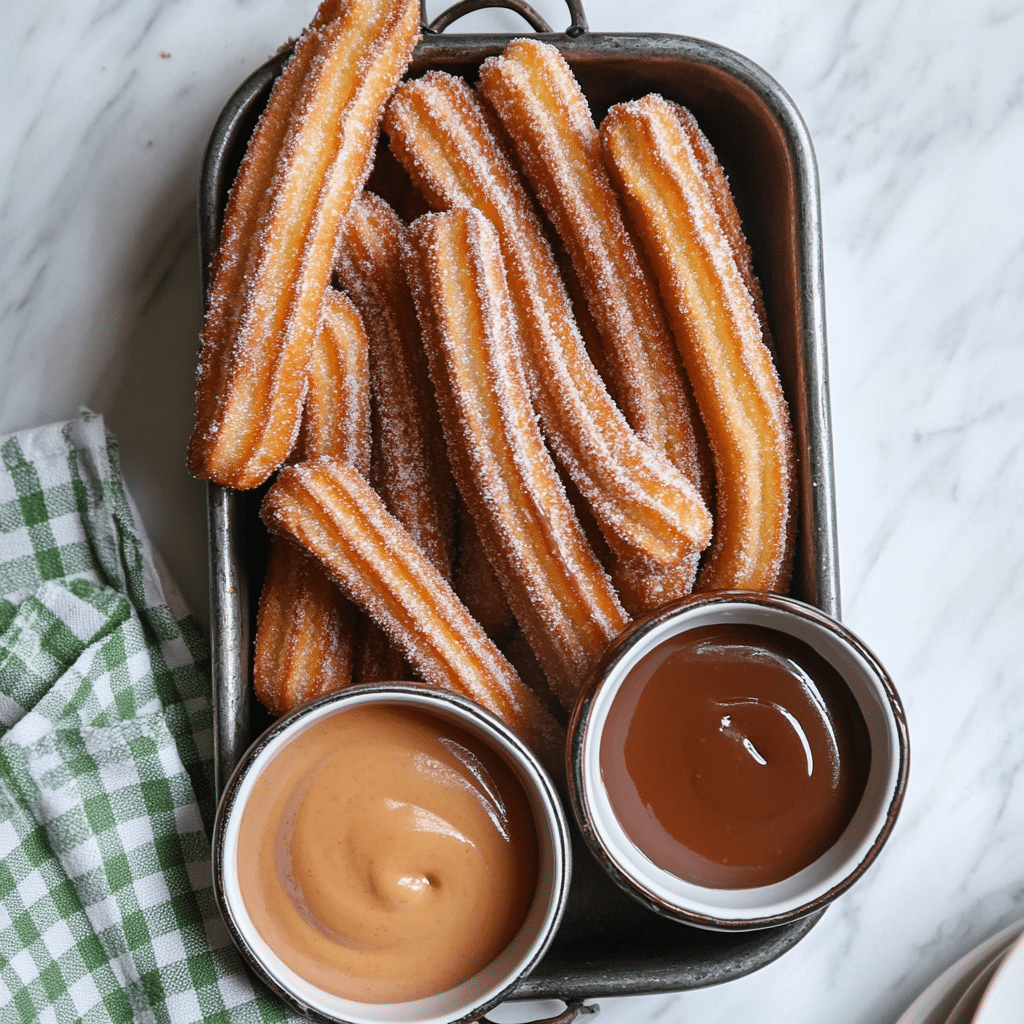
916	109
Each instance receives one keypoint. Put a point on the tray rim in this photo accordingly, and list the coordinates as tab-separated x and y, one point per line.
229	598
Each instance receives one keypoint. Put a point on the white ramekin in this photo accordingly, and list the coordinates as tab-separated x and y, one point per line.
812	888
489	986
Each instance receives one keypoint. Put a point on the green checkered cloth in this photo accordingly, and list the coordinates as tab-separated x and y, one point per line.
106	784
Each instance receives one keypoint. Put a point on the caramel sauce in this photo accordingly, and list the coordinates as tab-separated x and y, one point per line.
734	756
387	855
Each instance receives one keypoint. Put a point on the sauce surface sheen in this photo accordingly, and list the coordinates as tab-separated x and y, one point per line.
734	756
386	854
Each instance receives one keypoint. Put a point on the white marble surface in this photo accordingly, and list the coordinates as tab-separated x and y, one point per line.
916	108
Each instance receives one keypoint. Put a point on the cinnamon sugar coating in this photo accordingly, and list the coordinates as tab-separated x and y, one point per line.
330	510
725	207
306	160
305	634
412	475
542	108
552	580
713	314
650	513
336	415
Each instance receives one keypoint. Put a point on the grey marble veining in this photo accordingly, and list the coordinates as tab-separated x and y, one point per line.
916	110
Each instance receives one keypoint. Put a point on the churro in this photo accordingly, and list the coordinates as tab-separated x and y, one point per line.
650	513
412	476
305	634
336	416
552	580
335	514
538	100
650	156
305	162
306	629
542	108
725	207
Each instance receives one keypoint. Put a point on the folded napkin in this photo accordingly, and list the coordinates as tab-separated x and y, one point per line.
106	782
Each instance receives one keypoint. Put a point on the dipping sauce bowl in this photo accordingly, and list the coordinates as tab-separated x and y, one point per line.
737	760
391	854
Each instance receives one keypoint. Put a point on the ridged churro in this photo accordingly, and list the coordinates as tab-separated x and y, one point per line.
542	108
651	157
725	207
306	629
307	159
413	476
305	634
330	510
336	415
650	513
554	583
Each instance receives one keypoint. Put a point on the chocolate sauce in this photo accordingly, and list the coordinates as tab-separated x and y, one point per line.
734	756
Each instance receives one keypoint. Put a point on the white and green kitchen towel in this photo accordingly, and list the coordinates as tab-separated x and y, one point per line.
106	784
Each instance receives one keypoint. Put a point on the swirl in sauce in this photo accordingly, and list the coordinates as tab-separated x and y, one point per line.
734	756
387	855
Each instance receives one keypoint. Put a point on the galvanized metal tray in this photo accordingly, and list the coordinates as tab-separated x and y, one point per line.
607	944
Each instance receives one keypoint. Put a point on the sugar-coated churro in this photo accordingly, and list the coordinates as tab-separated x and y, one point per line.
651	157
305	632
336	415
554	583
330	510
307	159
542	107
650	513
725	207
413	476
538	100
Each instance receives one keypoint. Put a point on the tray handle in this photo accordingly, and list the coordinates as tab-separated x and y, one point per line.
573	1011
577	26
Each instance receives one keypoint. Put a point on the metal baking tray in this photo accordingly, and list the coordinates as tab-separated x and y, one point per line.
607	945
